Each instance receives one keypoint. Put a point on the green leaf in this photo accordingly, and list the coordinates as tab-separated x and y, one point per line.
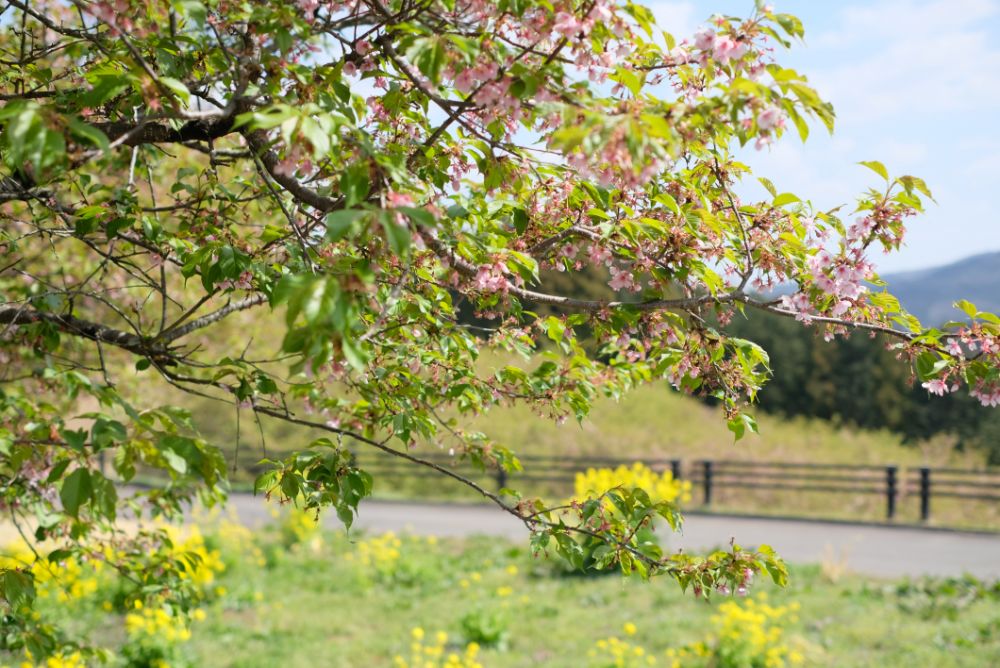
668	200
657	126
92	135
105	433
176	87
265	482
345	515
104	87
429	55
520	219
967	307
397	234
341	224
785	198
419	216
30	140
911	183
17	588
355	356
266	119
930	365
768	186
195	10
876	167
629	79
175	461
76	490
75	438
790	24
354	185
739	425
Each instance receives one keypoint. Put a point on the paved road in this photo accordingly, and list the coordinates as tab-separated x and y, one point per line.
868	549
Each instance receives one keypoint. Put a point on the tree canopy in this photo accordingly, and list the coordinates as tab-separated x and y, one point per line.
174	173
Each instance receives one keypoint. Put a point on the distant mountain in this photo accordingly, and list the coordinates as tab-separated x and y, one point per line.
930	293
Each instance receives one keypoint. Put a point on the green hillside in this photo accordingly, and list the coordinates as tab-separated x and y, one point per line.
653	421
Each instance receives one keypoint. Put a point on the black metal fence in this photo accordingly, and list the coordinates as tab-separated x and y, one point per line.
709	478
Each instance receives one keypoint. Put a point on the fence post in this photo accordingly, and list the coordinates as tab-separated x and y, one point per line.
925	494
501	478
675	469
890	491
707	471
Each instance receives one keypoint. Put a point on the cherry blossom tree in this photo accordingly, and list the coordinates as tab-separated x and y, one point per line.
182	179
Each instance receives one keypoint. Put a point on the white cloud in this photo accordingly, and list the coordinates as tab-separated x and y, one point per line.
908	57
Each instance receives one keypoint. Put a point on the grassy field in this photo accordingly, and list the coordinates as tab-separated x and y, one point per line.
653	421
291	596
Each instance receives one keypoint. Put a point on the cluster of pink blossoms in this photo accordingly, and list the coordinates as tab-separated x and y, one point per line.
623	279
938	386
614	166
769	121
492	278
987	396
720	47
294	160
244	282
573	28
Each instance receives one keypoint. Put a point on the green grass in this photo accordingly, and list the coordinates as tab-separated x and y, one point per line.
290	595
319	612
314	603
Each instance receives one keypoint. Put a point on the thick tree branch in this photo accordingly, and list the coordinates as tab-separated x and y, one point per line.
151	347
20	316
129	133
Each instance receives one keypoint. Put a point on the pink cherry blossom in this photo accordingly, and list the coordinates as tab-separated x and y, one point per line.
491	278
726	49
567	25
840	308
770	118
986	396
465	81
936	386
599	254
704	39
799	303
395	199
622	279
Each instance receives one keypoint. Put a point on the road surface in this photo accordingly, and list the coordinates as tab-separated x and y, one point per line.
879	550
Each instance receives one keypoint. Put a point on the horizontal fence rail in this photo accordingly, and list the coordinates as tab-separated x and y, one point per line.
709	477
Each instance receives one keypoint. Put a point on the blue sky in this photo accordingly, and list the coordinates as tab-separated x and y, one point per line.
915	84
